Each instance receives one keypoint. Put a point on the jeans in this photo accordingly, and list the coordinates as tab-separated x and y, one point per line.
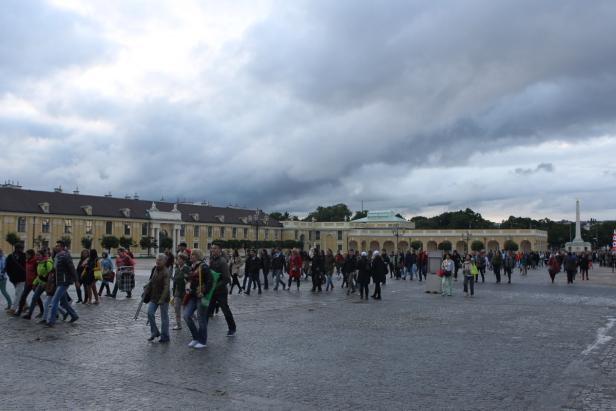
19	289
236	281
351	281
469	279
223	302
24	299
59	298
4	293
277	277
265	284
329	282
291	281
36	299
164	320
497	273
200	334
104	285
421	269
446	285
256	279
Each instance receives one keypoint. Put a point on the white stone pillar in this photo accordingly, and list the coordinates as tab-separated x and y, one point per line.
176	233
578	229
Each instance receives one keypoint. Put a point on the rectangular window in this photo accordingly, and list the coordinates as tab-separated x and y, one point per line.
127	229
234	233
245	234
21	225
89	227
209	231
196	232
67	226
144	229
266	234
222	233
317	235
339	247
296	235
45	225
182	230
309	235
196	245
339	235
108	228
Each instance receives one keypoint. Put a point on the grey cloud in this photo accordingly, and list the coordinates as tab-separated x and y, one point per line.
546	167
37	39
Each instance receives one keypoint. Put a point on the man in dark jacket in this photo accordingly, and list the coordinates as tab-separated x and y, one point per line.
219	264
349	271
379	273
159	296
265	267
318	269
253	265
65	275
16	270
278	262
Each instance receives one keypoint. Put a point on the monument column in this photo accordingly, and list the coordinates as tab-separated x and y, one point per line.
578	229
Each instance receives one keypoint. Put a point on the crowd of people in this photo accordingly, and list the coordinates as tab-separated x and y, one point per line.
197	286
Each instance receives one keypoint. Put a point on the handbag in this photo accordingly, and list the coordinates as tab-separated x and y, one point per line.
440	272
109	276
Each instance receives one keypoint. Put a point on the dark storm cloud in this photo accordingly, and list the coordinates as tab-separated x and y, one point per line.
323	102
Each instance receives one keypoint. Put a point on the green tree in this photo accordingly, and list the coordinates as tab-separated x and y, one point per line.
109	241
477	245
336	212
166	242
148	243
67	240
86	242
445	246
280	216
13	239
416	244
510	245
126	242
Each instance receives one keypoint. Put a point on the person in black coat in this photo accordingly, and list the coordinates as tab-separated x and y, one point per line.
16	269
379	273
265	266
363	276
253	265
318	269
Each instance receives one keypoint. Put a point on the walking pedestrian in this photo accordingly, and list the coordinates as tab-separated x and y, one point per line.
317	269
447	266
329	263
252	267
3	279
363	275
107	268
64	276
157	296
278	262
32	267
180	275
295	268
16	270
236	272
469	278
350	268
219	295
497	260
379	274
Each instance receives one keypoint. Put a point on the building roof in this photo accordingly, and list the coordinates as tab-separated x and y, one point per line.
380	217
58	203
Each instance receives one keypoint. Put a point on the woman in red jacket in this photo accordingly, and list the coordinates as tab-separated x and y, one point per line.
295	268
30	276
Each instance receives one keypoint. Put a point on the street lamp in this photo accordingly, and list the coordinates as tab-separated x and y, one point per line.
467	238
396	231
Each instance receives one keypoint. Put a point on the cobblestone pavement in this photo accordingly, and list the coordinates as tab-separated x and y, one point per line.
526	345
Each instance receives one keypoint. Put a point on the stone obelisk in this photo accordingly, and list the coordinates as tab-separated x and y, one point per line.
578	228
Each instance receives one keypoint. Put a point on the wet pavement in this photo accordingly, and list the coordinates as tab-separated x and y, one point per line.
526	345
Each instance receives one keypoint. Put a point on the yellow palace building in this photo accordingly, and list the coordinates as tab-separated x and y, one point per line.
42	217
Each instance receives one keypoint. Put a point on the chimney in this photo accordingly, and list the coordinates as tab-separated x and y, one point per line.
76	191
136	196
108	195
57	189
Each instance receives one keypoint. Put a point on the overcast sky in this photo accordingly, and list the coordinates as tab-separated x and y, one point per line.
506	107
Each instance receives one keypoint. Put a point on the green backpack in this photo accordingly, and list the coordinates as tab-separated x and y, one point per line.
205	300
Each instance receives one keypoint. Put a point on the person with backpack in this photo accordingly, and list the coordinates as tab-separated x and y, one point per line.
379	274
64	276
3	278
218	296
43	267
469	277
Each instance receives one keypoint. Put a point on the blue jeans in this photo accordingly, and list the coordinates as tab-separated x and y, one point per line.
37	294
277	274
194	304
59	298
164	320
329	283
